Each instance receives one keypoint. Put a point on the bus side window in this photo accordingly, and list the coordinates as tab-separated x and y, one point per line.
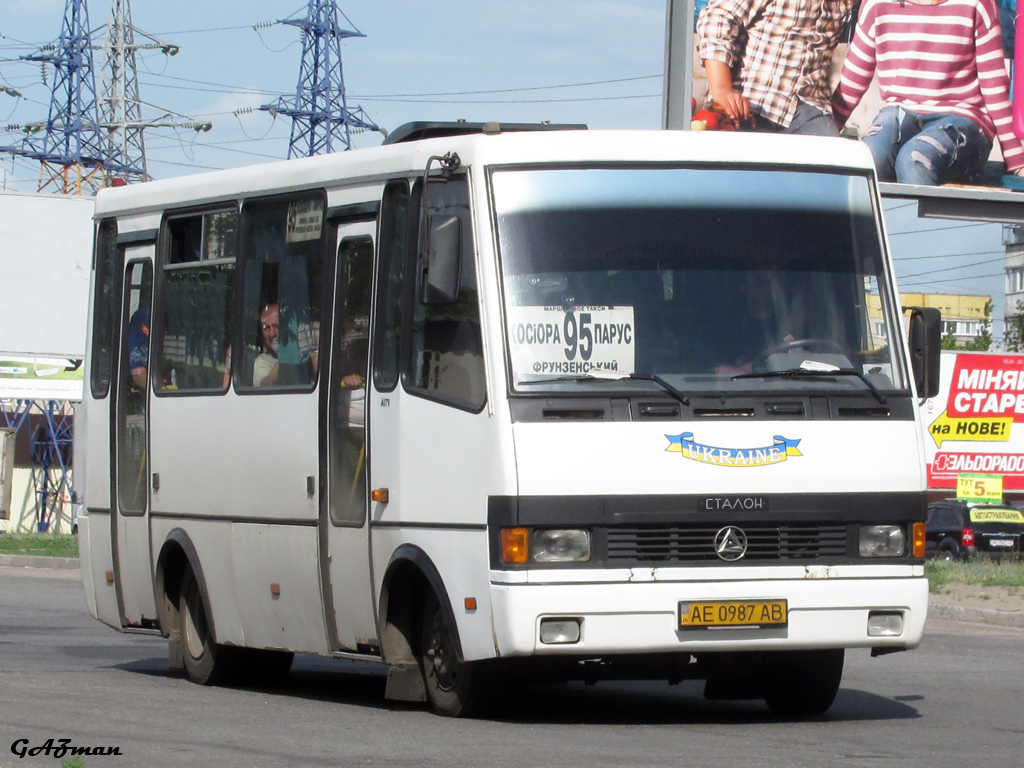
198	269
106	260
393	245
447	350
283	292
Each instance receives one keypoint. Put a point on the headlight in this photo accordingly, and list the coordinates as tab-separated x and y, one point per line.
882	541
560	546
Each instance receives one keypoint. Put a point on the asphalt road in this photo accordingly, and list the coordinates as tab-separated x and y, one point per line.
953	702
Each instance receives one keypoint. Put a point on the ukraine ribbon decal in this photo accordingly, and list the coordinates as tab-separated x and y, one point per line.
781	450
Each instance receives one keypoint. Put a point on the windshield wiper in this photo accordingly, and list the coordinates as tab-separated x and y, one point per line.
801	373
675	392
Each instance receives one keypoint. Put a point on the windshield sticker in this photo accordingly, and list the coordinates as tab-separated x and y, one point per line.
781	450
305	220
556	341
996	515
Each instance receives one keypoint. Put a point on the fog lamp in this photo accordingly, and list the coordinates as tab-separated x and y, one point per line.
885	624
882	541
560	546
556	631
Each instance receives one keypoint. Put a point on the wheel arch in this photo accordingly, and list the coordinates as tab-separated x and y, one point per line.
409	575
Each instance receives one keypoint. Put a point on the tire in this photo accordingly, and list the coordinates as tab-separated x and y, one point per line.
206	663
799	684
455	688
948	551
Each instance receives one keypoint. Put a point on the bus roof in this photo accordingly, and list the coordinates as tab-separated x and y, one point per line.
517	147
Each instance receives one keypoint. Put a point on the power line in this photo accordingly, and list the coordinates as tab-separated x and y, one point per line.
953	279
950	269
943	256
505	90
942	229
512	101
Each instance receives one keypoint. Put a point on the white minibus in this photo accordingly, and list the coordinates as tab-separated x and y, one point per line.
490	404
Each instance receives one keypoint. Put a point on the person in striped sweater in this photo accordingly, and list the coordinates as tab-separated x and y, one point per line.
945	87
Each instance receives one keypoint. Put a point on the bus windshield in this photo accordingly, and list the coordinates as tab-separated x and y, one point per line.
699	280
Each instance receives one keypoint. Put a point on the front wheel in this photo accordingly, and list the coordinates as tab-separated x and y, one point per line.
206	663
455	688
801	683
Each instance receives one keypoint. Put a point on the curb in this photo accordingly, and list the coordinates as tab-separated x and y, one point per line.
40	561
977	615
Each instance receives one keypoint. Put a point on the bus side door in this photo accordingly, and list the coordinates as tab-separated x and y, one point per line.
343	516
131	539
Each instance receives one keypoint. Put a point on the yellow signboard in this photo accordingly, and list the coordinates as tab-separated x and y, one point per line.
996	515
995	429
971	487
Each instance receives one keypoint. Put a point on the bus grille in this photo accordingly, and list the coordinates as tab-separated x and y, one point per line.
778	541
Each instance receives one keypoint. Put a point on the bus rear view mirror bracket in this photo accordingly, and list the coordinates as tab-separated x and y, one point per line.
440	241
925	338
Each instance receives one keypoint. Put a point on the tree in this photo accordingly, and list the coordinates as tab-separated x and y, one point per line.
983	341
1013	335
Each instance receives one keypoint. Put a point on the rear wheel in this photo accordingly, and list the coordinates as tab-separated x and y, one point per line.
455	688
948	551
206	663
802	683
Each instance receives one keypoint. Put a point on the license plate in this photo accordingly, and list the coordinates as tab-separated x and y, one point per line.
1000	542
706	614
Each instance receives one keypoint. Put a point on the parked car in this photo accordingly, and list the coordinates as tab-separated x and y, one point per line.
961	530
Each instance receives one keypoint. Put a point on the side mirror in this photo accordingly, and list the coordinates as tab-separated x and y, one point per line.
925	349
442	260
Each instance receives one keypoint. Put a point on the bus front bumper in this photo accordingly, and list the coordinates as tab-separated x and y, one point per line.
632	618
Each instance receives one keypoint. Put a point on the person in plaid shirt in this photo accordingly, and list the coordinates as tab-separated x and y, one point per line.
769	61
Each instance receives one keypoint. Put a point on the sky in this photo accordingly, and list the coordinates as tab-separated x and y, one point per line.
597	62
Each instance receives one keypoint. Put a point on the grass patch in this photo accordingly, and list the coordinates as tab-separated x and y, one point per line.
44	544
982	573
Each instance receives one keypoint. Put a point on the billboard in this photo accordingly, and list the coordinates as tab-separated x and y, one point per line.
40	378
975	426
45	259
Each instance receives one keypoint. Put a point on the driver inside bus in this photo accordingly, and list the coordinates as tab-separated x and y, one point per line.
752	328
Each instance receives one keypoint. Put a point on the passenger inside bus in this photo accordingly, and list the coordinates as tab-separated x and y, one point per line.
289	358
138	346
266	366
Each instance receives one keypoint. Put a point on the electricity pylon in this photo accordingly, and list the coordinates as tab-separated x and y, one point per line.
121	107
69	146
321	119
77	150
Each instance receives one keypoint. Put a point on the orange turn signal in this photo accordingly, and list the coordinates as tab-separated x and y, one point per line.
918	539
380	495
515	545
